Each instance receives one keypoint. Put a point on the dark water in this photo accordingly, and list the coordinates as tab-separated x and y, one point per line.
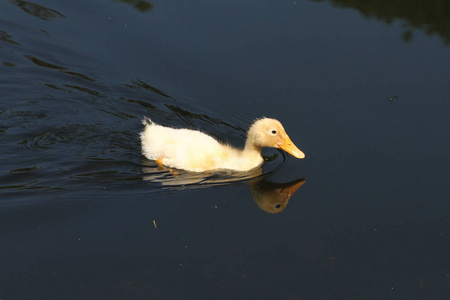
363	89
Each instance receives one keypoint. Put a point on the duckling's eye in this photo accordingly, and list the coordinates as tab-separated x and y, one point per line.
273	132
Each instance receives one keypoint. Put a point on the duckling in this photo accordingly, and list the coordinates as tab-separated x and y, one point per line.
195	151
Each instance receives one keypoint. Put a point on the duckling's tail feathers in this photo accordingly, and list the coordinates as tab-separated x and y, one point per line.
147	121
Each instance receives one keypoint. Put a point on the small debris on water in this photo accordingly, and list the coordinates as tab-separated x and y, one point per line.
392	98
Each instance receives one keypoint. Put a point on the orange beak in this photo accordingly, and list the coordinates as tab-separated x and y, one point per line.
290	148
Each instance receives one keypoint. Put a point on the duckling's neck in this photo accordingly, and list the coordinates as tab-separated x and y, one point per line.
251	149
250	157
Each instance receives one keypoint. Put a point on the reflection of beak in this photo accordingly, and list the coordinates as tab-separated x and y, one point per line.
292	187
290	148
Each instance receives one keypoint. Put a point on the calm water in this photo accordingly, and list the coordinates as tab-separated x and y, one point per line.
362	89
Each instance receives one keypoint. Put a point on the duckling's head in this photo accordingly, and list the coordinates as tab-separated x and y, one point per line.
270	133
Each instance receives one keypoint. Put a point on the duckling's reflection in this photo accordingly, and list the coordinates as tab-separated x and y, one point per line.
271	197
173	178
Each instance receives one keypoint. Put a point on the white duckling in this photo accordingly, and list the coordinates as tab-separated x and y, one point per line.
195	151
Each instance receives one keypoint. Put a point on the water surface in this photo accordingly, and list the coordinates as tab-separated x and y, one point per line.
363	90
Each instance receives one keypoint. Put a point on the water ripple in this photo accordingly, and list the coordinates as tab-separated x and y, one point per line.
36	10
5	37
82	135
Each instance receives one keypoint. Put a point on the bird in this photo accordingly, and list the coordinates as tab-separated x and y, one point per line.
195	151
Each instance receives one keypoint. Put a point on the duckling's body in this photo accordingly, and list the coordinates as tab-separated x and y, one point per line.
195	151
